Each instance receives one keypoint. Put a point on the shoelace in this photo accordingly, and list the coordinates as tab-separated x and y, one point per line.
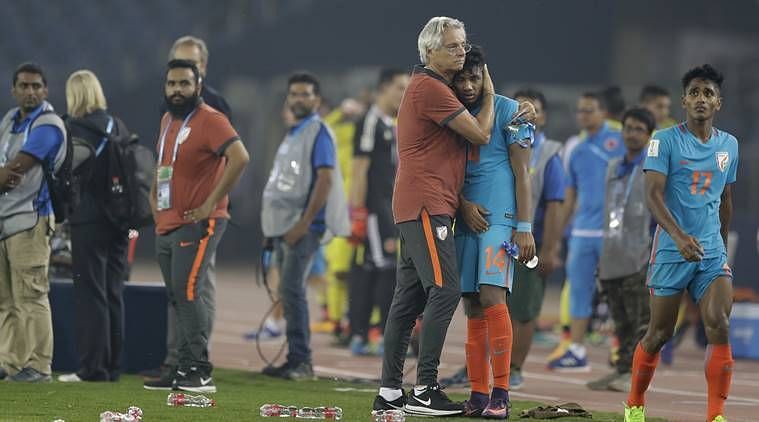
501	403
439	389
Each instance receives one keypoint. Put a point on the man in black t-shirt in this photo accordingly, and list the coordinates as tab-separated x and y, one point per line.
375	157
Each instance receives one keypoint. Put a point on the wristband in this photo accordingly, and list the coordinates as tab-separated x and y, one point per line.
524	227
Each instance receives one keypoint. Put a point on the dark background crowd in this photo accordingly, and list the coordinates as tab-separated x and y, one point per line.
564	48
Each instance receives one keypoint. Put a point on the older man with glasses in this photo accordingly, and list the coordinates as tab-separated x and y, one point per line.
425	199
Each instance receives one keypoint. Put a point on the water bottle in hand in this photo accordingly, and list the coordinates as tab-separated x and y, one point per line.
512	250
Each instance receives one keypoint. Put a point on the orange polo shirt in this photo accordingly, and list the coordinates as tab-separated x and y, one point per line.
199	165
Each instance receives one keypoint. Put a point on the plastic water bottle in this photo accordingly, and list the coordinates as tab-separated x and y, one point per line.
278	410
326	413
512	250
188	400
306	413
329	413
133	414
109	416
392	415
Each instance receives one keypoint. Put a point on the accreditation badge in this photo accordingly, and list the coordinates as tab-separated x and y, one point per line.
616	216
163	187
616	209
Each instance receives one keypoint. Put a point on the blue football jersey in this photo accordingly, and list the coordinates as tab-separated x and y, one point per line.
697	173
489	180
587	175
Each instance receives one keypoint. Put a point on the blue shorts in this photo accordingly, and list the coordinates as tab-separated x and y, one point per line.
319	264
582	261
667	279
482	260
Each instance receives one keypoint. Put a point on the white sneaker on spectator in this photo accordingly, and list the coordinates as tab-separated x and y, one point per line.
73	377
270	331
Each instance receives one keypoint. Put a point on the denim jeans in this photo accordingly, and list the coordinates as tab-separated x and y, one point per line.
294	265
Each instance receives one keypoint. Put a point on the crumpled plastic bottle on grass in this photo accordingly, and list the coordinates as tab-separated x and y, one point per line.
133	414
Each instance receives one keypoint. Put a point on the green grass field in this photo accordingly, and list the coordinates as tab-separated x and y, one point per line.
239	397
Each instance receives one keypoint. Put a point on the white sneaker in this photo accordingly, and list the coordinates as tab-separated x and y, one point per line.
73	377
266	334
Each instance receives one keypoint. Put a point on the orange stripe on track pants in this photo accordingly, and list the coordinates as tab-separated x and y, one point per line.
430	237
192	280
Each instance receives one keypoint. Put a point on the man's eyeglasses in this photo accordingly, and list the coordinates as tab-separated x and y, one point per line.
454	48
634	129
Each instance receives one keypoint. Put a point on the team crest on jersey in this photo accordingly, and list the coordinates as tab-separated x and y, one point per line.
442	232
611	144
723	159
653	148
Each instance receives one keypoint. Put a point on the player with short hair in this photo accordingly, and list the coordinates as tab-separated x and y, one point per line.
614	104
690	169
431	160
372	274
656	99
495	200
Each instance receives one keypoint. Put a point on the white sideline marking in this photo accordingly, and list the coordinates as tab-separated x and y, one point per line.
672	391
532	396
341	353
701	403
344	372
700	374
731	399
359	390
554	378
354	374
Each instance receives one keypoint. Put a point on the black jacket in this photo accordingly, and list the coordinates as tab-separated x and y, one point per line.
214	99
92	190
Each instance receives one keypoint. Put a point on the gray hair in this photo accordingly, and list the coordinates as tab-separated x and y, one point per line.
193	41
431	37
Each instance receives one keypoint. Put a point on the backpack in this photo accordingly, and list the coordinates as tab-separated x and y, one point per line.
61	183
130	173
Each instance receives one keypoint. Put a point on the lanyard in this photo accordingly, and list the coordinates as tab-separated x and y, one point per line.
630	180
176	138
104	141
